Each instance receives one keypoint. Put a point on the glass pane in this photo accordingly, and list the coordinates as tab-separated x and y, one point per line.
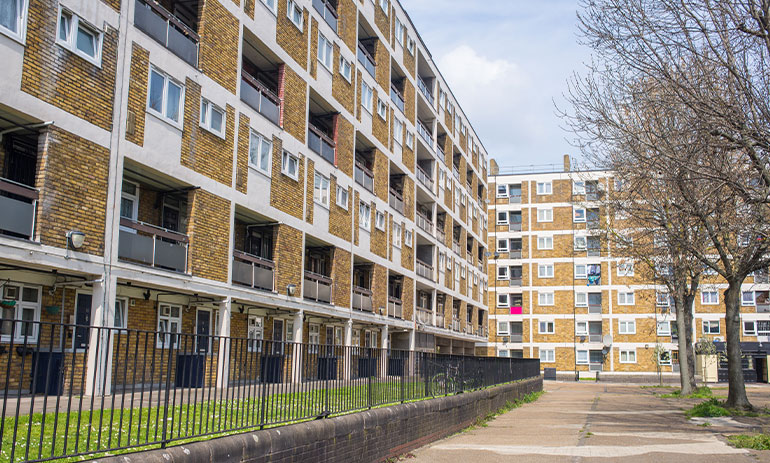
119	318
175	312
156	91
172	101
86	42
254	150
216	120
129	188
127	208
64	22
204	111
265	154
9	14
30	294
28	328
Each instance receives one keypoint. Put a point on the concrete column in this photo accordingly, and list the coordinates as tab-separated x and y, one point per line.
433	306
296	356
223	331
384	351
347	366
99	356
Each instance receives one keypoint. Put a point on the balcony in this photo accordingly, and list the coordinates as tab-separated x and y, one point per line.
440	235
151	245
595	337
424	223
456	324
253	271
514	254
317	287
763	308
595	308
440	320
425	91
327	11
320	143
456	172
514	199
157	22
456	247
18	204
424	178
395	307
424	270
516	338
396	201
514	226
396	97
255	94
362	299
481	331
468	329
425	134
515	282
366	59
440	149
365	178
424	316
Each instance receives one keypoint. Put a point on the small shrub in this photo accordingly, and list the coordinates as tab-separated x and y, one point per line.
755	442
703	392
709	408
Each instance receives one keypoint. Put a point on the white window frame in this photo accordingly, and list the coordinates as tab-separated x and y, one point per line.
321	190
503	272
134	198
18	312
503	328
382	109
663	328
581	299
626	298
396	235
20	35
580	243
752	331
578	214
542	271
751	301
408	237
545	298
167	79
255	333
712	299
625	269
367	97
293	7
503	248
286	159
549	325
121	305
325	51
384	6
581	328
365	215
273	8
400	31
626	326
504	193
410	141
545	215
398	132
503	300
581	275
662	299
544	188
410	44
342	197
668	354
503	221
70	42
165	342
549	357
207	108
257	143
707	326
578	187
379	221
628	354
313	337
346	69
581	357
544	242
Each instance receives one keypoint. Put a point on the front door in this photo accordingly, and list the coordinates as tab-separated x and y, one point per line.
82	320
203	330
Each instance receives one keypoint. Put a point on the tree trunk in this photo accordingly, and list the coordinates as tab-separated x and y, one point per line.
736	396
690	345
686	380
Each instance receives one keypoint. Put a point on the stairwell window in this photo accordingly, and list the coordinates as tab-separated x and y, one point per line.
365	216
290	165
260	149
321	190
294	12
165	97
346	69
325	52
212	118
74	34
342	197
367	97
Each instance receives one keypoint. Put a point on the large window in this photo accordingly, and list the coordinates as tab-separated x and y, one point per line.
13	18
169	325
628	356
544	188
74	34
165	98
545	215
709	297
545	298
546	327
325	52
625	298
25	307
321	190
545	242
260	149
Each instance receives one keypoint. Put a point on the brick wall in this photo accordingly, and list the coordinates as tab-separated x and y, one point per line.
342	90
314	48
286	194
347	22
289	37
242	161
379	289
378	243
341	273
219	41
382	19
310	185
137	93
293	95
339	217
345	146
209	231
288	258
407	298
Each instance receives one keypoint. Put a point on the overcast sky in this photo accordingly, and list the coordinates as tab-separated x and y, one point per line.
506	61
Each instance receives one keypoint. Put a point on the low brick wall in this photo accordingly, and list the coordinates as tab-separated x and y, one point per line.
370	436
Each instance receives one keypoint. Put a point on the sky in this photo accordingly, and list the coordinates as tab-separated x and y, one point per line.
507	63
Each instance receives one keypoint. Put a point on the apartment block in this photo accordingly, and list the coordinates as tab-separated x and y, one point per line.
286	170
561	293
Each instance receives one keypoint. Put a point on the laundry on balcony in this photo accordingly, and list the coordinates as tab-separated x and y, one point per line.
594	274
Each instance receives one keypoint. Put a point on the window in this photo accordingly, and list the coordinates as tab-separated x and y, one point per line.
364	215
396	234
342	197
544	298
410	141
502	218
379	221
545	327
582	357
290	165
382	109
255	333
321	190
165	98
581	299
502	273
747	298
367	96
212	118
398	132
578	188
502	328
384	6
625	269
581	243
325	51
625	298
73	34
400	31
441	260
581	328
272	5
547	356
260	149
294	12
578	214
502	191
26	307
581	272
129	200
627	327
750	328
408	237
628	356
313	337
502	300
462	271
664	358
544	188
13	18
346	69
662	299
545	271
663	328
545	242
502	245
709	297
289	331
169	325
120	320
710	326
410	45
545	215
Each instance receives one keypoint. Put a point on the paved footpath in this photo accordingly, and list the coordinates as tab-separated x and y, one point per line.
578	422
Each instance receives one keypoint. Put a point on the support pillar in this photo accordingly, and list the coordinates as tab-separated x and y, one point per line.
296	356
384	351
347	366
223	332
98	366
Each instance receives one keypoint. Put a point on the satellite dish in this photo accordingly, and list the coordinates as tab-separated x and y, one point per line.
607	340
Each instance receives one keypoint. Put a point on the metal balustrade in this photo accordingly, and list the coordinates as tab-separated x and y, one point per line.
395	307
424	316
364	177
253	271
260	98
362	299
18	204
423	87
321	143
366	59
396	97
425	178
148	244
160	24
423	223
327	12
317	287
395	200
424	270
425	134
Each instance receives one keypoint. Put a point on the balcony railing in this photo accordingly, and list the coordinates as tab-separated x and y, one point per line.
425	133
514	199
595	308
595	337
253	271
152	245
468	328
469	256
317	287
761	278
395	307
592	224
396	201
516	338
456	324
424	178
456	247
397	98
424	270
424	223
362	299
481	331
456	172
425	90
424	316
440	235
157	22
320	143
440	320
514	226
593	252
514	254
258	96
366	59
440	149
327	11
364	176
515	281
763	308
18	204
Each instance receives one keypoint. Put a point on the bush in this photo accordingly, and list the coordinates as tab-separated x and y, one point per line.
703	392
756	442
709	408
